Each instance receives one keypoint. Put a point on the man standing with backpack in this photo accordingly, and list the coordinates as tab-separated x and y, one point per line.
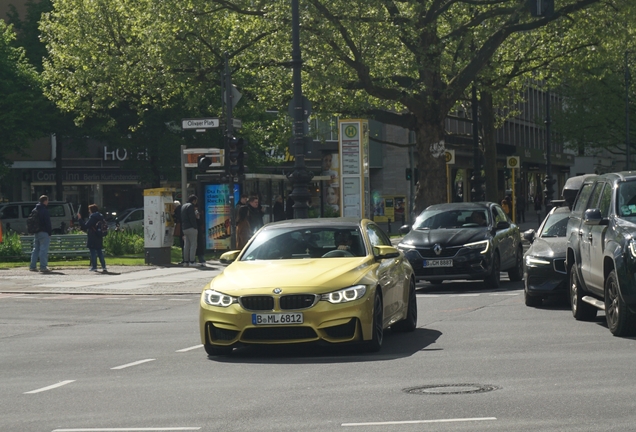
96	229
39	224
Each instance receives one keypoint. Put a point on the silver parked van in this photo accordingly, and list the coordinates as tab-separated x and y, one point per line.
15	214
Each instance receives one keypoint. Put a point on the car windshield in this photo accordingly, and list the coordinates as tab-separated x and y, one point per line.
556	225
456	218
306	242
626	200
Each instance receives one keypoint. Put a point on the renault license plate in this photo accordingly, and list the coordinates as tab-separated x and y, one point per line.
277	319
438	263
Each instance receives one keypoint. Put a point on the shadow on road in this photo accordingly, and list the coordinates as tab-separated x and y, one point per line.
395	346
466	287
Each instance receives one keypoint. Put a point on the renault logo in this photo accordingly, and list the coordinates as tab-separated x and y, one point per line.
437	249
277	290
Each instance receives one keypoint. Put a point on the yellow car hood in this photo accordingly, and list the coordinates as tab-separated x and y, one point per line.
302	275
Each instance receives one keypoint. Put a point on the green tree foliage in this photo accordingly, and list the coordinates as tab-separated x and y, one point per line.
406	63
21	99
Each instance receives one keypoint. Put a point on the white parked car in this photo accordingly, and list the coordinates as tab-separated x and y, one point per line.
130	219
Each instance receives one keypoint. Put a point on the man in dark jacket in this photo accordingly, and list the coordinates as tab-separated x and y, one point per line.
42	237
190	231
255	215
95	242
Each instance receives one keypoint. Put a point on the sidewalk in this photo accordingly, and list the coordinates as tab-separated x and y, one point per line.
123	280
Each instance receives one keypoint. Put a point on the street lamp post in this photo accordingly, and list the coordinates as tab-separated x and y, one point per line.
476	180
301	176
548	191
627	152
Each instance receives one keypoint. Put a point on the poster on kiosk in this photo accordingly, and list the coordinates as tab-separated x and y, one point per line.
217	210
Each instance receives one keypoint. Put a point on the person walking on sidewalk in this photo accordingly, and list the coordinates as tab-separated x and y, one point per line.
200	238
255	214
95	239
189	229
42	236
521	209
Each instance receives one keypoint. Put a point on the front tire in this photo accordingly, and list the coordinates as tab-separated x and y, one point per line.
581	311
409	323
516	273
377	327
494	278
620	320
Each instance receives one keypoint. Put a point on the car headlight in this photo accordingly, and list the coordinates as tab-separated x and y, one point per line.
632	248
215	298
482	246
532	261
405	246
345	295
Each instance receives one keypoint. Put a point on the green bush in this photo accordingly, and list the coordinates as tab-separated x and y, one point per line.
120	242
11	247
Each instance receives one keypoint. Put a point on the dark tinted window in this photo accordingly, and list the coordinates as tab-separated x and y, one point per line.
56	210
596	193
10	212
606	199
377	236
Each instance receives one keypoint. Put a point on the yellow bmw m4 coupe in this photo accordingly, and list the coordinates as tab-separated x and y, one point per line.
335	280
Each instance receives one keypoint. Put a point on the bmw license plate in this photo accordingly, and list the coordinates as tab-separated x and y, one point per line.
438	263
277	319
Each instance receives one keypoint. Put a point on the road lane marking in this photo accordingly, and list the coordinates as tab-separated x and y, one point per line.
190	348
150	429
420	421
132	364
51	387
464	295
505	294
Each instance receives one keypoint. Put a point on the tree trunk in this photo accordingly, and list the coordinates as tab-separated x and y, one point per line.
431	164
490	146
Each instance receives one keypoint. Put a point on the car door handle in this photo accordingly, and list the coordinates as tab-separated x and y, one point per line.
589	237
580	232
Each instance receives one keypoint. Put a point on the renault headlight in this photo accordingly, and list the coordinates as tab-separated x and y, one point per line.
215	298
532	261
345	295
481	246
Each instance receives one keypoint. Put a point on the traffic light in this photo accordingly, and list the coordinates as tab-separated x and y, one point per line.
412	173
204	162
234	156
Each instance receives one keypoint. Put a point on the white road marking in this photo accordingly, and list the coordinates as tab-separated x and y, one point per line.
428	295
464	295
129	429
132	364
504	294
189	349
51	387
420	421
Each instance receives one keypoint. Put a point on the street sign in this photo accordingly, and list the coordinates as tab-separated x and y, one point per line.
237	123
236	96
200	123
306	108
450	157
512	162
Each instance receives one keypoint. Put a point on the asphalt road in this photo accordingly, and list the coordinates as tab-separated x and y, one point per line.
479	360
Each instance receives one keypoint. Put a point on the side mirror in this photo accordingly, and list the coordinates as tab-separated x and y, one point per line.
502	225
384	252
593	217
529	235
404	229
229	257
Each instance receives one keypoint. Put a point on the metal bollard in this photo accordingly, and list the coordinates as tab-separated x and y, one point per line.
389	224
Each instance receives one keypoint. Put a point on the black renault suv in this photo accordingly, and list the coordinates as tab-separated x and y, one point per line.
601	251
463	241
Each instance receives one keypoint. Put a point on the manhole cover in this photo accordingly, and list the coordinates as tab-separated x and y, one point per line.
445	389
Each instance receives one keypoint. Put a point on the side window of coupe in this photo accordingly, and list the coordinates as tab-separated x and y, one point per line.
583	197
499	214
377	237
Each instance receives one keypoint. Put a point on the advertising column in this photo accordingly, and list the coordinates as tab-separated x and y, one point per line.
354	168
217	215
158	225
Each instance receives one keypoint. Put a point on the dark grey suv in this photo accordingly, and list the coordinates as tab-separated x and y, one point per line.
601	254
